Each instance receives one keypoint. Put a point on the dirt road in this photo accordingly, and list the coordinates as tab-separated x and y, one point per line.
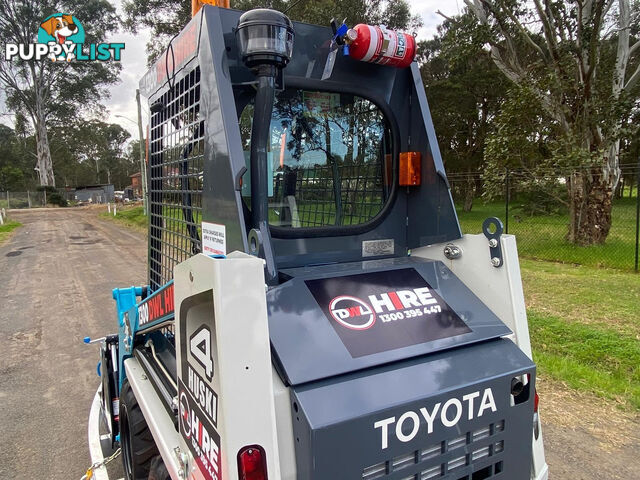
56	277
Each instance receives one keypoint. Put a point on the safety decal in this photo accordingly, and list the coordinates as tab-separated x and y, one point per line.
381	311
214	241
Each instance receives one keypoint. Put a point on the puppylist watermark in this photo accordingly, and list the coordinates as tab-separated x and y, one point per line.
61	37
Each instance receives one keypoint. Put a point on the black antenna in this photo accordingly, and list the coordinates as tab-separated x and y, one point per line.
291	6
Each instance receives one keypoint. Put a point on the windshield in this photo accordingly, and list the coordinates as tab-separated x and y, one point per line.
329	159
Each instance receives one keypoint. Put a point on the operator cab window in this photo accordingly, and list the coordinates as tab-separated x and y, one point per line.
329	159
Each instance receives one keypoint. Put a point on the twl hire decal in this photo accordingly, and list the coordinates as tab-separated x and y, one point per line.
380	311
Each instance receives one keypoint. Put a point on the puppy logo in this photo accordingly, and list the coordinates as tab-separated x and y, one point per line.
61	29
61	37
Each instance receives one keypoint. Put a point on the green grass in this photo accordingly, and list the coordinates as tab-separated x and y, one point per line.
543	237
588	358
585	328
130	216
6	229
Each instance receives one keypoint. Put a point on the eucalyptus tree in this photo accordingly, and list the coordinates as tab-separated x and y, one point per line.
578	61
51	93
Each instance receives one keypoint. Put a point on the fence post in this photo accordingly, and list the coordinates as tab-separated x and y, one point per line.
45	197
637	216
506	203
28	199
8	206
1	214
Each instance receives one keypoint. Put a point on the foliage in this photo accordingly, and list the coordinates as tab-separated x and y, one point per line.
133	217
465	91
575	69
16	169
83	153
543	236
7	228
53	196
166	18
43	94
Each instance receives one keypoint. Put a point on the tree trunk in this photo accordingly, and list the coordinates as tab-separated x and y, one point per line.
45	164
590	204
469	193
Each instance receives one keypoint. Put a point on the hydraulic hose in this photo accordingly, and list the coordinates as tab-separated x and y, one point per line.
260	131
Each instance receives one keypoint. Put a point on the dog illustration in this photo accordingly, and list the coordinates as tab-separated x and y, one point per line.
60	27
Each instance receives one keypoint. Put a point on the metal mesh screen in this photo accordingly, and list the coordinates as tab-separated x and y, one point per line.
176	167
309	195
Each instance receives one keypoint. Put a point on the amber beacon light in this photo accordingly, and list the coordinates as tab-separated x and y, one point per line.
410	169
196	5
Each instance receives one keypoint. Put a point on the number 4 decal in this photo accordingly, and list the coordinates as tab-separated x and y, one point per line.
200	348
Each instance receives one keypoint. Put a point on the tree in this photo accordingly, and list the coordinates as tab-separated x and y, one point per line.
165	18
101	145
577	62
46	92
465	91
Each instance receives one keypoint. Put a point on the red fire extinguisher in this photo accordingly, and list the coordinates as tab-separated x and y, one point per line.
380	45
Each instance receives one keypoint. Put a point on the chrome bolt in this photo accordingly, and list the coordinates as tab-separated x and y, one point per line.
493	243
452	251
495	261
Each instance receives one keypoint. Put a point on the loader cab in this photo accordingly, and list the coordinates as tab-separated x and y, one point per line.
333	154
334	145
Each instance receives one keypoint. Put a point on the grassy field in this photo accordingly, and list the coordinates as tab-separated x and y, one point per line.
6	229
543	237
130	216
585	328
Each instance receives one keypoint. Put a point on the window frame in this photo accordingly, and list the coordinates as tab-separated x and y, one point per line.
303	83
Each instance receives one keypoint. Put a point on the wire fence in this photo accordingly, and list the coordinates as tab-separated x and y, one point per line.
536	209
23	199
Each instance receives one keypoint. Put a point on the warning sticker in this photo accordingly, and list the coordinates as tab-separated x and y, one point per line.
200	435
214	240
381	311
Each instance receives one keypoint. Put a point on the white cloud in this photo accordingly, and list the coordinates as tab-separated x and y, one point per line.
427	10
134	65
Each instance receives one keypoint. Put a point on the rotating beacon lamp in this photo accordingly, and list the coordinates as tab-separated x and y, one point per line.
265	38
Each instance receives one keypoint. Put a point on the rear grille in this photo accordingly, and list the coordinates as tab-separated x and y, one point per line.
176	165
475	455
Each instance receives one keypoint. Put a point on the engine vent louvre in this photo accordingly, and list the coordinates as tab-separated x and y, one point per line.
475	455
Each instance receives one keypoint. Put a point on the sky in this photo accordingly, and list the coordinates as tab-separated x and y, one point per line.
122	101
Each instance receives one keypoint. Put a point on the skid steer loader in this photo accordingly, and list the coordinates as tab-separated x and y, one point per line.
313	311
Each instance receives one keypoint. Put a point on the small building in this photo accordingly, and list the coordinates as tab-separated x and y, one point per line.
95	193
136	184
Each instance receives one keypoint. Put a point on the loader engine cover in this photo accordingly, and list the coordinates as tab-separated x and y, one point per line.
450	415
397	370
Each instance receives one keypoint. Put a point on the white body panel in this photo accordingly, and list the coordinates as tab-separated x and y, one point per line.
159	422
242	374
499	288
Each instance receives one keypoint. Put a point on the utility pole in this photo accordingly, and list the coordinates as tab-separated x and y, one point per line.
143	166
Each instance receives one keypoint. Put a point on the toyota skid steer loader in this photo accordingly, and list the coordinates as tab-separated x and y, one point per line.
313	311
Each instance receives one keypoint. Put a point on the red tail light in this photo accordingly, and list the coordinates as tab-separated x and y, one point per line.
536	400
252	463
